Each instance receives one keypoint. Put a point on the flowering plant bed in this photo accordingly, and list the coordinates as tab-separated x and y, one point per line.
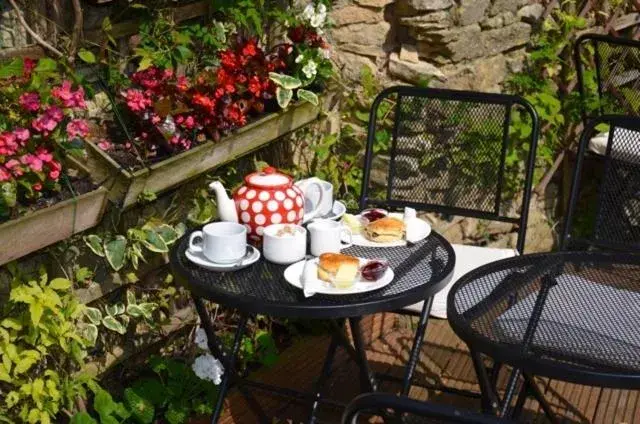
125	186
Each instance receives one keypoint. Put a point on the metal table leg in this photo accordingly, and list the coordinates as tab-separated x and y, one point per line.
489	398
367	380
414	356
326	372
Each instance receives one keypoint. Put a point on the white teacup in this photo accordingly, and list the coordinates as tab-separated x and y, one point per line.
327	235
222	242
284	243
318	193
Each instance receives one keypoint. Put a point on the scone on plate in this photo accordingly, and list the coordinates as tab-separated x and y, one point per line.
385	230
338	269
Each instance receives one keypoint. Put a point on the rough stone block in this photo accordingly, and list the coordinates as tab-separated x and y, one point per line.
428	5
379	4
436	20
409	53
484	74
365	34
500	6
531	13
469	33
353	15
502	39
472	11
351	65
413	72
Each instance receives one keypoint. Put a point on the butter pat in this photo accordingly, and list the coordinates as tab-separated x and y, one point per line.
346	276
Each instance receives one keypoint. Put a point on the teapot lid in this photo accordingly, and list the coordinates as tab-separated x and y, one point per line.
269	177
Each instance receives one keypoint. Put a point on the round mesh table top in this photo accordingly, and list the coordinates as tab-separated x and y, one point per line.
573	316
420	271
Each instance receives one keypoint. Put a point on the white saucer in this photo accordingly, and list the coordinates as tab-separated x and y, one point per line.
293	275
338	210
425	230
200	260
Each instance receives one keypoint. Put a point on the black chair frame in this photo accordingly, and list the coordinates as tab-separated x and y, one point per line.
381	403
594	40
509	102
615	121
456	95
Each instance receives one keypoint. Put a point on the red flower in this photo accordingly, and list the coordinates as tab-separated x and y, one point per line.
28	65
255	86
226	81
250	48
229	60
296	34
233	113
203	101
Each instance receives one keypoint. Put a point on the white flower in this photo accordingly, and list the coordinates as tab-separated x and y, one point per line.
208	368
326	53
310	69
308	12
322	9
201	339
168	126
318	20
300	58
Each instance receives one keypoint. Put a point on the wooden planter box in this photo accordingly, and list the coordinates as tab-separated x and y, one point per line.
41	228
125	187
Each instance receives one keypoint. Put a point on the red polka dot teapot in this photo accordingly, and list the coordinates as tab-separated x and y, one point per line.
267	197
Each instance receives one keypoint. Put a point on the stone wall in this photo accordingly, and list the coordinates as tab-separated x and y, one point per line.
463	44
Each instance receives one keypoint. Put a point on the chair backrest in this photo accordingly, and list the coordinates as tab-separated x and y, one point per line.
452	152
608	75
381	404
606	213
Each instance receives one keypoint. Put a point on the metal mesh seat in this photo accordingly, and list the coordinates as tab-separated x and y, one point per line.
568	315
390	407
604	207
453	152
608	75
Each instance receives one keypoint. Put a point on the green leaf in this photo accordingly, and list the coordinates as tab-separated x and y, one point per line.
154	242
152	390
135	311
60	284
90	333
147	308
94	315
167	233
24	364
12	69
103	403
145	63
12	323
285	81
36	309
87	56
284	96
177	413
115	252
308	96
141	409
95	244
82	418
113	324
46	64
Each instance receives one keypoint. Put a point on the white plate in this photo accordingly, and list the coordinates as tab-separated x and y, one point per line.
293	275
339	209
425	230
200	260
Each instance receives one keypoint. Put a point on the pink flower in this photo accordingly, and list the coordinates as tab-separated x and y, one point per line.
30	101
37	186
55	113
44	155
77	128
48	121
137	100
105	144
8	144
155	119
33	161
182	83
69	98
22	134
13	165
4	174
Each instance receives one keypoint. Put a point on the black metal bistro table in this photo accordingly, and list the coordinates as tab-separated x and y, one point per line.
572	316
421	270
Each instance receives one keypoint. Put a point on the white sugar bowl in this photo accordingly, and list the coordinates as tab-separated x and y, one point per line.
284	244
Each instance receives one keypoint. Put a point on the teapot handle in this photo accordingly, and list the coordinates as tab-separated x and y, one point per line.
313	214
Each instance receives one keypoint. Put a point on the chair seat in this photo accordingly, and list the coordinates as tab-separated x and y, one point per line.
468	258
625	151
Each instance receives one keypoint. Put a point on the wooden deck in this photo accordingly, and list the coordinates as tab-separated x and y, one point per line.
444	360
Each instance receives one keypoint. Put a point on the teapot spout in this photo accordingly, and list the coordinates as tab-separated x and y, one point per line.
226	206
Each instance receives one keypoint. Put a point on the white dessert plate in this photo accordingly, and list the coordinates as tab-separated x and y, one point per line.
422	233
293	275
249	258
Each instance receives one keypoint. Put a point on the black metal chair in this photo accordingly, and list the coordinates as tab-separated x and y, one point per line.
391	407
606	214
456	153
608	75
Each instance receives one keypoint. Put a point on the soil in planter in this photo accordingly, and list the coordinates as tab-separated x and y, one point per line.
79	185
